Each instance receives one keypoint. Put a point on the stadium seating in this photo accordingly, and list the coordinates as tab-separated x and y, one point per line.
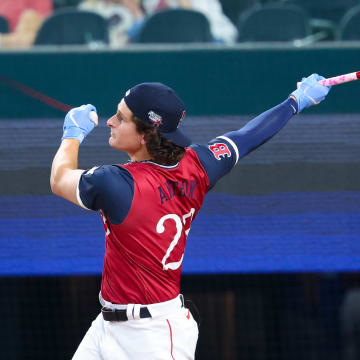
233	8
70	26
273	22
325	15
331	10
4	25
349	27
175	26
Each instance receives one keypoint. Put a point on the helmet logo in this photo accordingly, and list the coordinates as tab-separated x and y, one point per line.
156	119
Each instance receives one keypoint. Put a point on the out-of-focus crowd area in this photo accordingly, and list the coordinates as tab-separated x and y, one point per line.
117	23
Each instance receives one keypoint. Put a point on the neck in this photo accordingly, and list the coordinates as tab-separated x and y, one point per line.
140	155
132	159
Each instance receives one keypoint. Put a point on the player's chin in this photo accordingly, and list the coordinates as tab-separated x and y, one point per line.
114	144
111	141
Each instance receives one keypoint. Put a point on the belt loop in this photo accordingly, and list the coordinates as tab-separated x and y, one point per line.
129	311
136	312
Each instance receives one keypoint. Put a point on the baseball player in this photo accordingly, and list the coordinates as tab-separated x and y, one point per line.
147	206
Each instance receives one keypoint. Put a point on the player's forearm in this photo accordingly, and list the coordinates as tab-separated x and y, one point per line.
65	175
65	160
263	127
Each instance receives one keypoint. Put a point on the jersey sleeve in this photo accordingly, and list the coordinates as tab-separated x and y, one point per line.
220	155
109	188
217	157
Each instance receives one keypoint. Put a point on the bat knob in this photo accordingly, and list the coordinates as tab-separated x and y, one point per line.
94	117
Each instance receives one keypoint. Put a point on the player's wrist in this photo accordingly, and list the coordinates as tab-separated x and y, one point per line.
73	133
70	142
293	97
299	98
294	103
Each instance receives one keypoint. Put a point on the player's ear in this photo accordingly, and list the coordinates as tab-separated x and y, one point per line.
142	139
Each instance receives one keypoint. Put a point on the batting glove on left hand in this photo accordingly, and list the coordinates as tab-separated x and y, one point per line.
78	123
310	92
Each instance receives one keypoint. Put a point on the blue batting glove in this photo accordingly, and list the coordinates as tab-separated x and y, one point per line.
78	124
310	92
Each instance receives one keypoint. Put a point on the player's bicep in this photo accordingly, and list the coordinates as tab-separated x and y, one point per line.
88	190
68	185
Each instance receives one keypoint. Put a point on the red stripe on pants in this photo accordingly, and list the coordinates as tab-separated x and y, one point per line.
171	340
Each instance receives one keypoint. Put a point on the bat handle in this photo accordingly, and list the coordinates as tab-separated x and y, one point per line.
336	80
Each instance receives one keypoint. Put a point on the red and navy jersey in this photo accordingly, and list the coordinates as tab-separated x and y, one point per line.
144	253
147	209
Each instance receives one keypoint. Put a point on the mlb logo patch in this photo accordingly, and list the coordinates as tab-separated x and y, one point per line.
155	118
182	117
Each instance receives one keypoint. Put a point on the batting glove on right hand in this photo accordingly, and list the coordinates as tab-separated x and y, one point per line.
310	92
78	123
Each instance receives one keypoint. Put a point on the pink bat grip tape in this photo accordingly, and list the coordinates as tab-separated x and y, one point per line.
336	80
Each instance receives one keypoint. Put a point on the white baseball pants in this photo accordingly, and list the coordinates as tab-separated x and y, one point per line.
170	334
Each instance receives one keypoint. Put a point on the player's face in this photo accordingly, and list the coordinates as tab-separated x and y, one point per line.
123	132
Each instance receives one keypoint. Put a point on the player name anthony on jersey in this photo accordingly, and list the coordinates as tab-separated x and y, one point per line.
169	189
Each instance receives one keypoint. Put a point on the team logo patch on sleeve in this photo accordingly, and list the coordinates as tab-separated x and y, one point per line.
220	150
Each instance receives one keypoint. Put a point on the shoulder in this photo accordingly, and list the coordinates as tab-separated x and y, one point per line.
220	148
217	157
98	185
106	174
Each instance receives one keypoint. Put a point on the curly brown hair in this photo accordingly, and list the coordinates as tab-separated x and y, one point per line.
161	150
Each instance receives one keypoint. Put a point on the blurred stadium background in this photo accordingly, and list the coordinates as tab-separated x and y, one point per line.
273	259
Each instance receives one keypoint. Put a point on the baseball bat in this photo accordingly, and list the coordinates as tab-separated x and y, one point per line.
48	100
29	91
337	80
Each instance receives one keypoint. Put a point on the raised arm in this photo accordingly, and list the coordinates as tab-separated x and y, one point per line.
266	125
65	175
222	153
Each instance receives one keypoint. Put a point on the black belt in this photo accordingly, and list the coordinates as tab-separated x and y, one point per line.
120	315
